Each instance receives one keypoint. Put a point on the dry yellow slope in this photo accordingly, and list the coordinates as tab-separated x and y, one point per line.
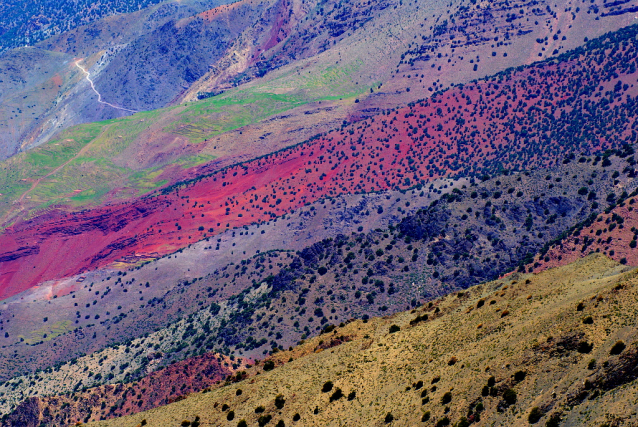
530	324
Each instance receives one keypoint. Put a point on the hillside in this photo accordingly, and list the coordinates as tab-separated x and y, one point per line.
160	388
434	244
173	52
211	210
541	123
27	23
470	355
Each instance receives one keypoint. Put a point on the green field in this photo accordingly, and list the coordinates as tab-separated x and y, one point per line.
84	163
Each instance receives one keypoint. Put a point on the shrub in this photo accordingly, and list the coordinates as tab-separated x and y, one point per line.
553	421
463	422
269	365
446	398
388	418
591	364
491	381
322	270
519	376
445	421
617	348
281	423
185	423
426	416
338	394
394	328
418	385
264	419
584	347
238	392
352	395
280	401
327	387
242	423
259	409
230	416
296	417
588	320
535	415
509	396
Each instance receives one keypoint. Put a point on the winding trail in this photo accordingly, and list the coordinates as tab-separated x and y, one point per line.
99	96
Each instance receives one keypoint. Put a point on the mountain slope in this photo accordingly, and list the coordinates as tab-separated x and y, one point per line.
27	23
530	117
466	356
153	56
203	297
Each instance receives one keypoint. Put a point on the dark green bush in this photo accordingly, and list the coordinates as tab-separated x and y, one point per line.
584	347
296	417
446	398
553	421
535	415
509	396
264	419
388	418
269	365
280	401
352	395
519	376
327	386
230	416
617	348
394	328
426	416
338	394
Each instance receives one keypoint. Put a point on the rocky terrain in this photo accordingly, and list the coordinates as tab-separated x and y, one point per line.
470	357
421	255
284	212
408	146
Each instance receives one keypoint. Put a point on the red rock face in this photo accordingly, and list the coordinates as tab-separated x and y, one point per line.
516	120
611	234
110	401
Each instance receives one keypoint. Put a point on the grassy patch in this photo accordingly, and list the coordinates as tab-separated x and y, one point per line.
48	332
